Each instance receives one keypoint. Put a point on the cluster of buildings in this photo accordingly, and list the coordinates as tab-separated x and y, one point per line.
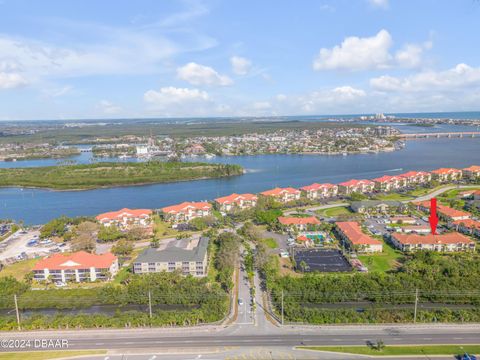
187	211
189	256
321	141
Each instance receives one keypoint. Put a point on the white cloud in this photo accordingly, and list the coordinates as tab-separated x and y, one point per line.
409	56
357	53
460	77
197	74
240	65
168	96
379	3
107	107
261	105
10	80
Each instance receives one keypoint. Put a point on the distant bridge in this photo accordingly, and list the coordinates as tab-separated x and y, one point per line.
471	134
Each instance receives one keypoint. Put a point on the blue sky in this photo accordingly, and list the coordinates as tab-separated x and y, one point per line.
109	59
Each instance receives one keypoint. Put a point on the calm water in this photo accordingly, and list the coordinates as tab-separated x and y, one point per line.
263	172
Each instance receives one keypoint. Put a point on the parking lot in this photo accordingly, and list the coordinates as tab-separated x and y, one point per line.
20	246
381	225
322	260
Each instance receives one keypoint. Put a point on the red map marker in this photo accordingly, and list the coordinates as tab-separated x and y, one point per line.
433	219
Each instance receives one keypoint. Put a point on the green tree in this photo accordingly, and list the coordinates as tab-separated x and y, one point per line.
122	248
109	233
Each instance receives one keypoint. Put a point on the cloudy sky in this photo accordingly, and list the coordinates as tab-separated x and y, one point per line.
114	58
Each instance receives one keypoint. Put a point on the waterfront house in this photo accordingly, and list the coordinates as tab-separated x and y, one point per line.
351	234
389	183
442	242
283	195
236	201
186	211
445	213
125	218
416	177
77	267
467	226
320	191
446	174
188	256
298	223
353	186
472	172
376	206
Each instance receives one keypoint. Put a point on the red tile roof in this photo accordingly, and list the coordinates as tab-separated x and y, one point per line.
233	198
442	171
317	186
469	223
354	232
115	215
414	174
303	238
355	182
174	209
278	191
311	220
473	168
444	239
78	260
442	209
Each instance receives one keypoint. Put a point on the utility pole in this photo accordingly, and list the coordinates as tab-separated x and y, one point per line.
282	306
150	303
16	310
416	305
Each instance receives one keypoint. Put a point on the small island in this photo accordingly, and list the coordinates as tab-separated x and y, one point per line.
109	174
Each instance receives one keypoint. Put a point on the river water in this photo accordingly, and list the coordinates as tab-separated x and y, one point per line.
36	206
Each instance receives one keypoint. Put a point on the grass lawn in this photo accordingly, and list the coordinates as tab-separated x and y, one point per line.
121	275
400	350
270	242
394	196
423	191
383	262
19	269
335	211
46	355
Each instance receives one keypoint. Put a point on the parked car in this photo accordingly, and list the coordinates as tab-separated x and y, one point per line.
240	302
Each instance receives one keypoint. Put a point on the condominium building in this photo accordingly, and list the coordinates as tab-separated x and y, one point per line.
446	174
445	213
320	191
236	201
299	223
186	211
416	177
442	242
472	172
354	186
389	183
78	267
351	234
283	195
189	256
126	218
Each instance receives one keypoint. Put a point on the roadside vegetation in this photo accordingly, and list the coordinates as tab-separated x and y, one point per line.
90	176
447	283
394	350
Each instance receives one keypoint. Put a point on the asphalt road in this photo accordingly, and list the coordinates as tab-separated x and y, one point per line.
254	336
